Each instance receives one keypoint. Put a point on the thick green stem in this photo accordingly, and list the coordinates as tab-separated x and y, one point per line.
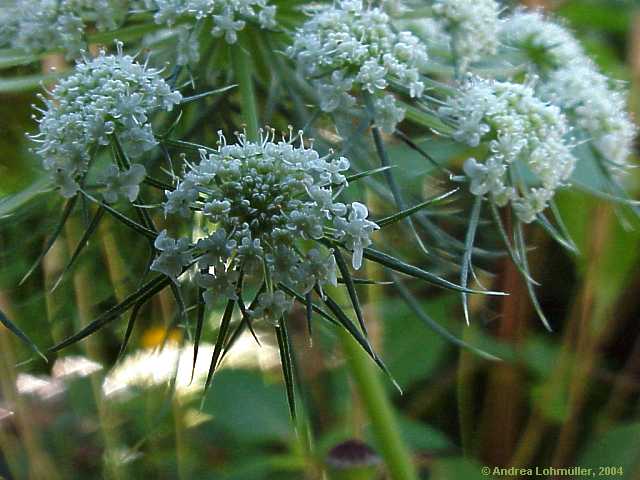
241	61
385	428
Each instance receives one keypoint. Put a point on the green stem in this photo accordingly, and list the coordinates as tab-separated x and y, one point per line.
379	409
241	61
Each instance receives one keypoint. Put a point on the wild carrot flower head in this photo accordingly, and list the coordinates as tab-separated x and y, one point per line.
228	17
472	26
569	79
40	25
269	204
351	47
524	136
104	97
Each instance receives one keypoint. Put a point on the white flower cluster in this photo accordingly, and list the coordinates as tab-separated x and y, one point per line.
228	17
547	44
572	81
270	204
40	25
472	26
522	132
351	47
104	96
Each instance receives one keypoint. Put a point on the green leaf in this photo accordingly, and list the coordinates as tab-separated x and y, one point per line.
426	119
198	96
11	203
68	208
410	211
468	252
122	218
348	325
245	322
27	82
351	289
95	221
200	310
505	238
12	57
145	292
132	321
559	237
521	248
413	303
617	448
302	298
368	173
416	272
13	328
287	365
308	308
396	192
220	342
248	408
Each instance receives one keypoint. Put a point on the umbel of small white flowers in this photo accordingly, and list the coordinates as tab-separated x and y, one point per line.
524	136
227	16
35	26
471	27
269	205
106	99
570	80
351	47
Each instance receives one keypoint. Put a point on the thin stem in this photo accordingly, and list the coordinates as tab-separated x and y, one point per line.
395	453
241	61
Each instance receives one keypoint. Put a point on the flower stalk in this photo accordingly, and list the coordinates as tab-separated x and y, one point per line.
384	425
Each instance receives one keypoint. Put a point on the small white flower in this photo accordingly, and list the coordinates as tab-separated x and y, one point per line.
355	230
272	306
122	183
174	255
